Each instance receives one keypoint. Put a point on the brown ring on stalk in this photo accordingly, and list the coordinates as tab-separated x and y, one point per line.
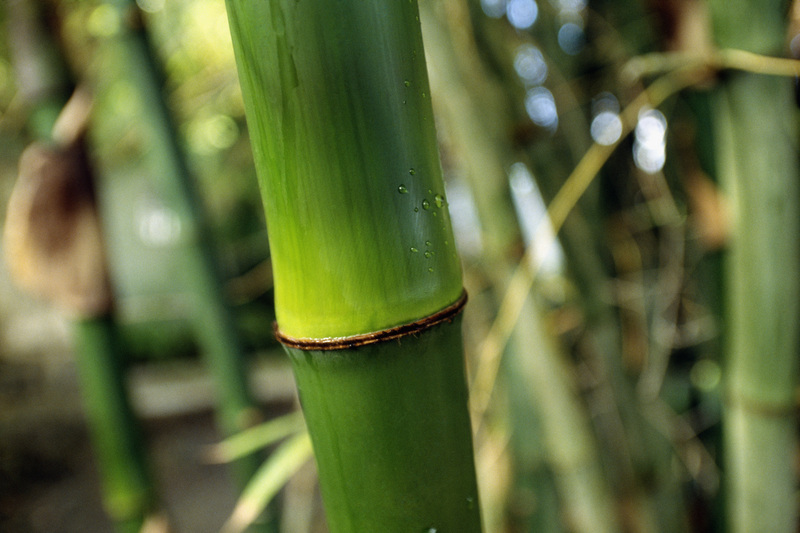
766	409
354	341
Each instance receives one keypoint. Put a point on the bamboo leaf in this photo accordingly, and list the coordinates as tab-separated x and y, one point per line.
256	438
268	481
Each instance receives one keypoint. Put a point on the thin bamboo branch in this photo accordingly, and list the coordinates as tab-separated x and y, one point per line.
658	63
256	438
270	478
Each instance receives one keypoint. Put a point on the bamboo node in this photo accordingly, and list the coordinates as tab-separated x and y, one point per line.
354	341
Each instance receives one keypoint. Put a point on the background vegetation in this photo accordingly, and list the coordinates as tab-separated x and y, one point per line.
605	367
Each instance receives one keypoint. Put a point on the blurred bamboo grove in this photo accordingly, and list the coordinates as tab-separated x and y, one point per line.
623	187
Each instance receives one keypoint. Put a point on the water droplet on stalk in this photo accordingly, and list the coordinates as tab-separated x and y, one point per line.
407	83
430	269
428	255
428	243
416	209
426	204
402	189
414	250
411	171
439	200
470	503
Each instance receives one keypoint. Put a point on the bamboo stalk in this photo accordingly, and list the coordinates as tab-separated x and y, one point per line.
761	308
128	488
392	415
337	99
756	147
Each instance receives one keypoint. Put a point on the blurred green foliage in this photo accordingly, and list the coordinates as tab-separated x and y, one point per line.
192	42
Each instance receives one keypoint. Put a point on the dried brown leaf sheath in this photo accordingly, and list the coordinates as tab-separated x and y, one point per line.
53	241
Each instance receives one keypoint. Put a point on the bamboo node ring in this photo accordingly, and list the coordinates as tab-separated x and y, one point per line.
354	341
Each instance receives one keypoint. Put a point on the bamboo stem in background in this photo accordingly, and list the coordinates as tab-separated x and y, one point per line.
54	196
128	493
756	147
213	320
761	309
337	100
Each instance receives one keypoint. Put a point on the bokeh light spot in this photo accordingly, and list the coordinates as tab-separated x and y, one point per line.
571	38
522	13
494	8
606	128
150	6
541	107
530	65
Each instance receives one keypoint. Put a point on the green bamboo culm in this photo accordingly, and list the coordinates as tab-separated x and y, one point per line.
756	145
132	59
55	189
128	488
391	434
338	107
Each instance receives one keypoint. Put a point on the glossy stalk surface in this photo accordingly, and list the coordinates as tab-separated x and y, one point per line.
338	109
391	434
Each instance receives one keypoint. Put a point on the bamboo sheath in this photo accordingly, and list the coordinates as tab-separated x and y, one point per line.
367	279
